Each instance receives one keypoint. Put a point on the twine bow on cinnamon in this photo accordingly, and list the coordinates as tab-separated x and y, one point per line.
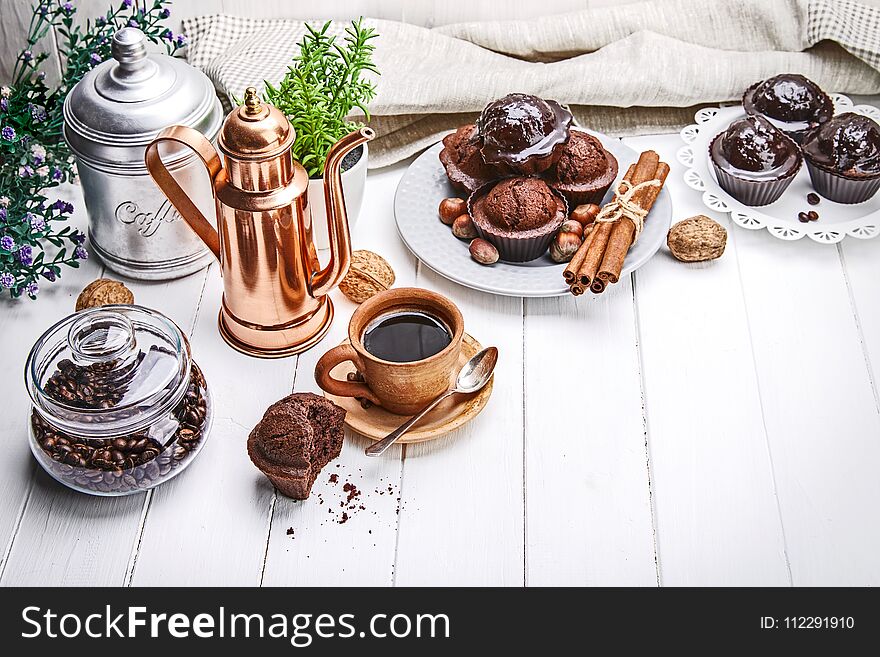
624	207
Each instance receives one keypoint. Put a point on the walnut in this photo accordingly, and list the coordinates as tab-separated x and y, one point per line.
369	274
697	239
103	292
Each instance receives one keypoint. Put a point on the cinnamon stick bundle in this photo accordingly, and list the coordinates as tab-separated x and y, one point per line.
622	234
576	274
642	171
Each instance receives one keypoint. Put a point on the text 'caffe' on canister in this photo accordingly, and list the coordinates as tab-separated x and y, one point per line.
110	117
119	406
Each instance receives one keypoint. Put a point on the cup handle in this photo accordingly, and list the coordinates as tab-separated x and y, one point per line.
339	388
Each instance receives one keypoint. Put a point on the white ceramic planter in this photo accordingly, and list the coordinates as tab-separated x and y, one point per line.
353	182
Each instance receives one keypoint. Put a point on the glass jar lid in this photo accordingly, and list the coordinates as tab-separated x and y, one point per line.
108	371
122	104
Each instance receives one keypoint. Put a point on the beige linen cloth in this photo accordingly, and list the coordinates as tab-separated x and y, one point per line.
630	69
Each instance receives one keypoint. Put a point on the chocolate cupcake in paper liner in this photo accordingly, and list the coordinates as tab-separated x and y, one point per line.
522	134
843	158
519	216
792	103
753	161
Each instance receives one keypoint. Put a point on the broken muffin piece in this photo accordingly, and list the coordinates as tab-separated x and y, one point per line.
296	438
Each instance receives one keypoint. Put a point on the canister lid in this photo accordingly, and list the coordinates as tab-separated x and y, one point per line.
108	371
255	130
122	104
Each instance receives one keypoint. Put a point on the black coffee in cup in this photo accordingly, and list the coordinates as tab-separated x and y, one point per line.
406	336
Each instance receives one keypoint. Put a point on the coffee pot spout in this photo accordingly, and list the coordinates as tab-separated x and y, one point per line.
340	239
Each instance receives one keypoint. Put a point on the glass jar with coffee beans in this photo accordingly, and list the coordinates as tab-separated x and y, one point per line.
119	406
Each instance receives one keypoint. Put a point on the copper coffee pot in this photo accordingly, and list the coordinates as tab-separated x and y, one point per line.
275	292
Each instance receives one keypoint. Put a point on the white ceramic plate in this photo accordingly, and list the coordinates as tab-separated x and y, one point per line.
424	185
836	220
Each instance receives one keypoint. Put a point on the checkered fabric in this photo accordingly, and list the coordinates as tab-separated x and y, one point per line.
628	69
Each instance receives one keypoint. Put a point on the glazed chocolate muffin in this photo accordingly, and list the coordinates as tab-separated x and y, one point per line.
463	161
296	438
585	170
523	134
791	102
843	158
753	161
519	216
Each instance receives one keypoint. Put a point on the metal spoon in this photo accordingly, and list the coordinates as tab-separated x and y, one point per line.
473	376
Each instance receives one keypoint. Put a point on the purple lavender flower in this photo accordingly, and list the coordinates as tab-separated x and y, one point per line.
7	243
127	4
180	40
80	253
7	280
26	171
68	208
27	55
37	223
8	133
63	206
95	58
57	174
41	76
49	275
165	13
4	104
68	8
2	214
100	21
33	288
26	255
38	113
78	237
132	23
167	34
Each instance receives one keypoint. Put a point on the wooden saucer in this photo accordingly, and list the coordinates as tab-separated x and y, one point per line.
376	423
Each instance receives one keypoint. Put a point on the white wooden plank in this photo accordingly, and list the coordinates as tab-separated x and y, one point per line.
208	526
819	408
461	522
359	552
82	539
714	498
15	17
862	268
587	481
21	323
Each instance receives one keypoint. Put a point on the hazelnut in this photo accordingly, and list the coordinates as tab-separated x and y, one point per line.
483	252
564	246
463	227
697	239
450	208
572	226
586	214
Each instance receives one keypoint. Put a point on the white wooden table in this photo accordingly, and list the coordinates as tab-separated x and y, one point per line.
698	424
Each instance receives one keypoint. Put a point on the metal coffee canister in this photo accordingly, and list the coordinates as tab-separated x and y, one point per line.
110	117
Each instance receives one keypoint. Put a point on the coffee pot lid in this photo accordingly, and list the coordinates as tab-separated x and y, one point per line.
255	130
108	371
123	103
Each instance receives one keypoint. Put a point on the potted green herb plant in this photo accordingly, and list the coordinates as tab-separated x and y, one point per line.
325	83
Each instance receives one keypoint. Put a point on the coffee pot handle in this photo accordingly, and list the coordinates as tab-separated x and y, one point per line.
196	141
331	359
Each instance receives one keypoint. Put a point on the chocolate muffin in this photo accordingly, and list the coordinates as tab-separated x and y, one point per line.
753	161
584	172
296	438
519	216
791	102
843	158
523	134
463	161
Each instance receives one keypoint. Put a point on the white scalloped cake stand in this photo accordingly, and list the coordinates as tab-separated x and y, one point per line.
836	220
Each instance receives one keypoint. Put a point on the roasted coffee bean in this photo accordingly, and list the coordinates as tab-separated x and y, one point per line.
813	215
813	198
124	463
